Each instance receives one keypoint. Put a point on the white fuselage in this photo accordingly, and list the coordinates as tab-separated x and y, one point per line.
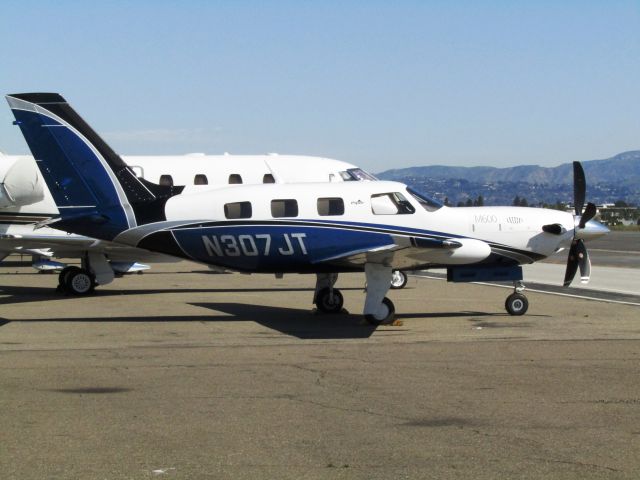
518	228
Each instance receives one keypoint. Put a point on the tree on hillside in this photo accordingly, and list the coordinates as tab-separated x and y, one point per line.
516	201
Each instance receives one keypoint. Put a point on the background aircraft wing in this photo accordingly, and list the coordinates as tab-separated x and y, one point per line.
63	246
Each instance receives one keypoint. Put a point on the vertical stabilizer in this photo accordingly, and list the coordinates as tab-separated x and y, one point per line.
96	192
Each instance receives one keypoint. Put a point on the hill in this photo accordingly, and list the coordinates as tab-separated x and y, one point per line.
608	180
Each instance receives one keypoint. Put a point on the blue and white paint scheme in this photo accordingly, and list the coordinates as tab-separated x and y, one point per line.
322	228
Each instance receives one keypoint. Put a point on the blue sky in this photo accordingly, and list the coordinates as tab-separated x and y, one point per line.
378	84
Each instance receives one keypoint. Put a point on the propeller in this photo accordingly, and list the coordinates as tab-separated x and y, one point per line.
578	255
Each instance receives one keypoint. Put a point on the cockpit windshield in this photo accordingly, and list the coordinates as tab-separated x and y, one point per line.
356	175
428	203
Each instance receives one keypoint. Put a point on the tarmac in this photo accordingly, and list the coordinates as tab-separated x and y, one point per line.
184	374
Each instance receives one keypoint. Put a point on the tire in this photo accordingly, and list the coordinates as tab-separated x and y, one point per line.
399	279
80	282
391	313
516	304
64	273
327	304
63	276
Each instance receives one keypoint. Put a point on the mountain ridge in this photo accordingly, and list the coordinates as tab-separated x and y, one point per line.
623	167
608	180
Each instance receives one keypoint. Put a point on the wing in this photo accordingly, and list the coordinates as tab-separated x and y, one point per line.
406	252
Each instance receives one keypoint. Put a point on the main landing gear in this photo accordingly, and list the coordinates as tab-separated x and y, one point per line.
327	298
517	303
82	280
378	309
76	281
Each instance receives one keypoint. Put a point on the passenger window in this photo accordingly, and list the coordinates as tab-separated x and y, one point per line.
166	180
200	179
330	206
234	179
390	204
237	210
268	178
284	208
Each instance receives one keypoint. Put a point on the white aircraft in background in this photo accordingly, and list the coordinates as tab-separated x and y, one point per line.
305	228
26	205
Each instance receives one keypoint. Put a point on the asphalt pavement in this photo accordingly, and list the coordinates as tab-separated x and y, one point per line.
185	374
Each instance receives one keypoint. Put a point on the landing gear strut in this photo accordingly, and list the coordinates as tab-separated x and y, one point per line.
517	303
378	309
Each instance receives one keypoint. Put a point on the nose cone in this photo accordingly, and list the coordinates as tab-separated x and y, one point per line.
592	230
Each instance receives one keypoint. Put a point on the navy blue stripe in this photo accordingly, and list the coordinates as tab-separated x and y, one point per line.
363	227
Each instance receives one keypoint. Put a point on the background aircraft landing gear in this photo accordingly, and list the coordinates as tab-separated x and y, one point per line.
62	277
76	281
399	279
517	303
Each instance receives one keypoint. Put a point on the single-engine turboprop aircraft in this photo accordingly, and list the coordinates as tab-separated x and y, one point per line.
306	228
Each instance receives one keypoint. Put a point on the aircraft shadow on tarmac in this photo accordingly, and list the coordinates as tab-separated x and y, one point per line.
302	324
24	294
299	323
305	324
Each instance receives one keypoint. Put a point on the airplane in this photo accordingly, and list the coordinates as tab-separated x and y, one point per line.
324	229
25	200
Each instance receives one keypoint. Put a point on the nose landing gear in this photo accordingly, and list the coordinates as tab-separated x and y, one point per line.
517	303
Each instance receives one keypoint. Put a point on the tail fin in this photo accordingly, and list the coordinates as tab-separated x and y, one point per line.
97	194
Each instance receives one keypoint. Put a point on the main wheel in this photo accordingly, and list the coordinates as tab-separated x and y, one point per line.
398	279
80	282
328	302
516	304
381	319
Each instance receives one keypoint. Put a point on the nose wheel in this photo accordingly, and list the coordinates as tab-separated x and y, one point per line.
517	303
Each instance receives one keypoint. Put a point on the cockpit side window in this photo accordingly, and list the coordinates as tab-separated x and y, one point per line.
391	204
428	203
356	175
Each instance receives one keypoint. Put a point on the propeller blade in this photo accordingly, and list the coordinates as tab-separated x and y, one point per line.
583	262
572	264
579	187
588	214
